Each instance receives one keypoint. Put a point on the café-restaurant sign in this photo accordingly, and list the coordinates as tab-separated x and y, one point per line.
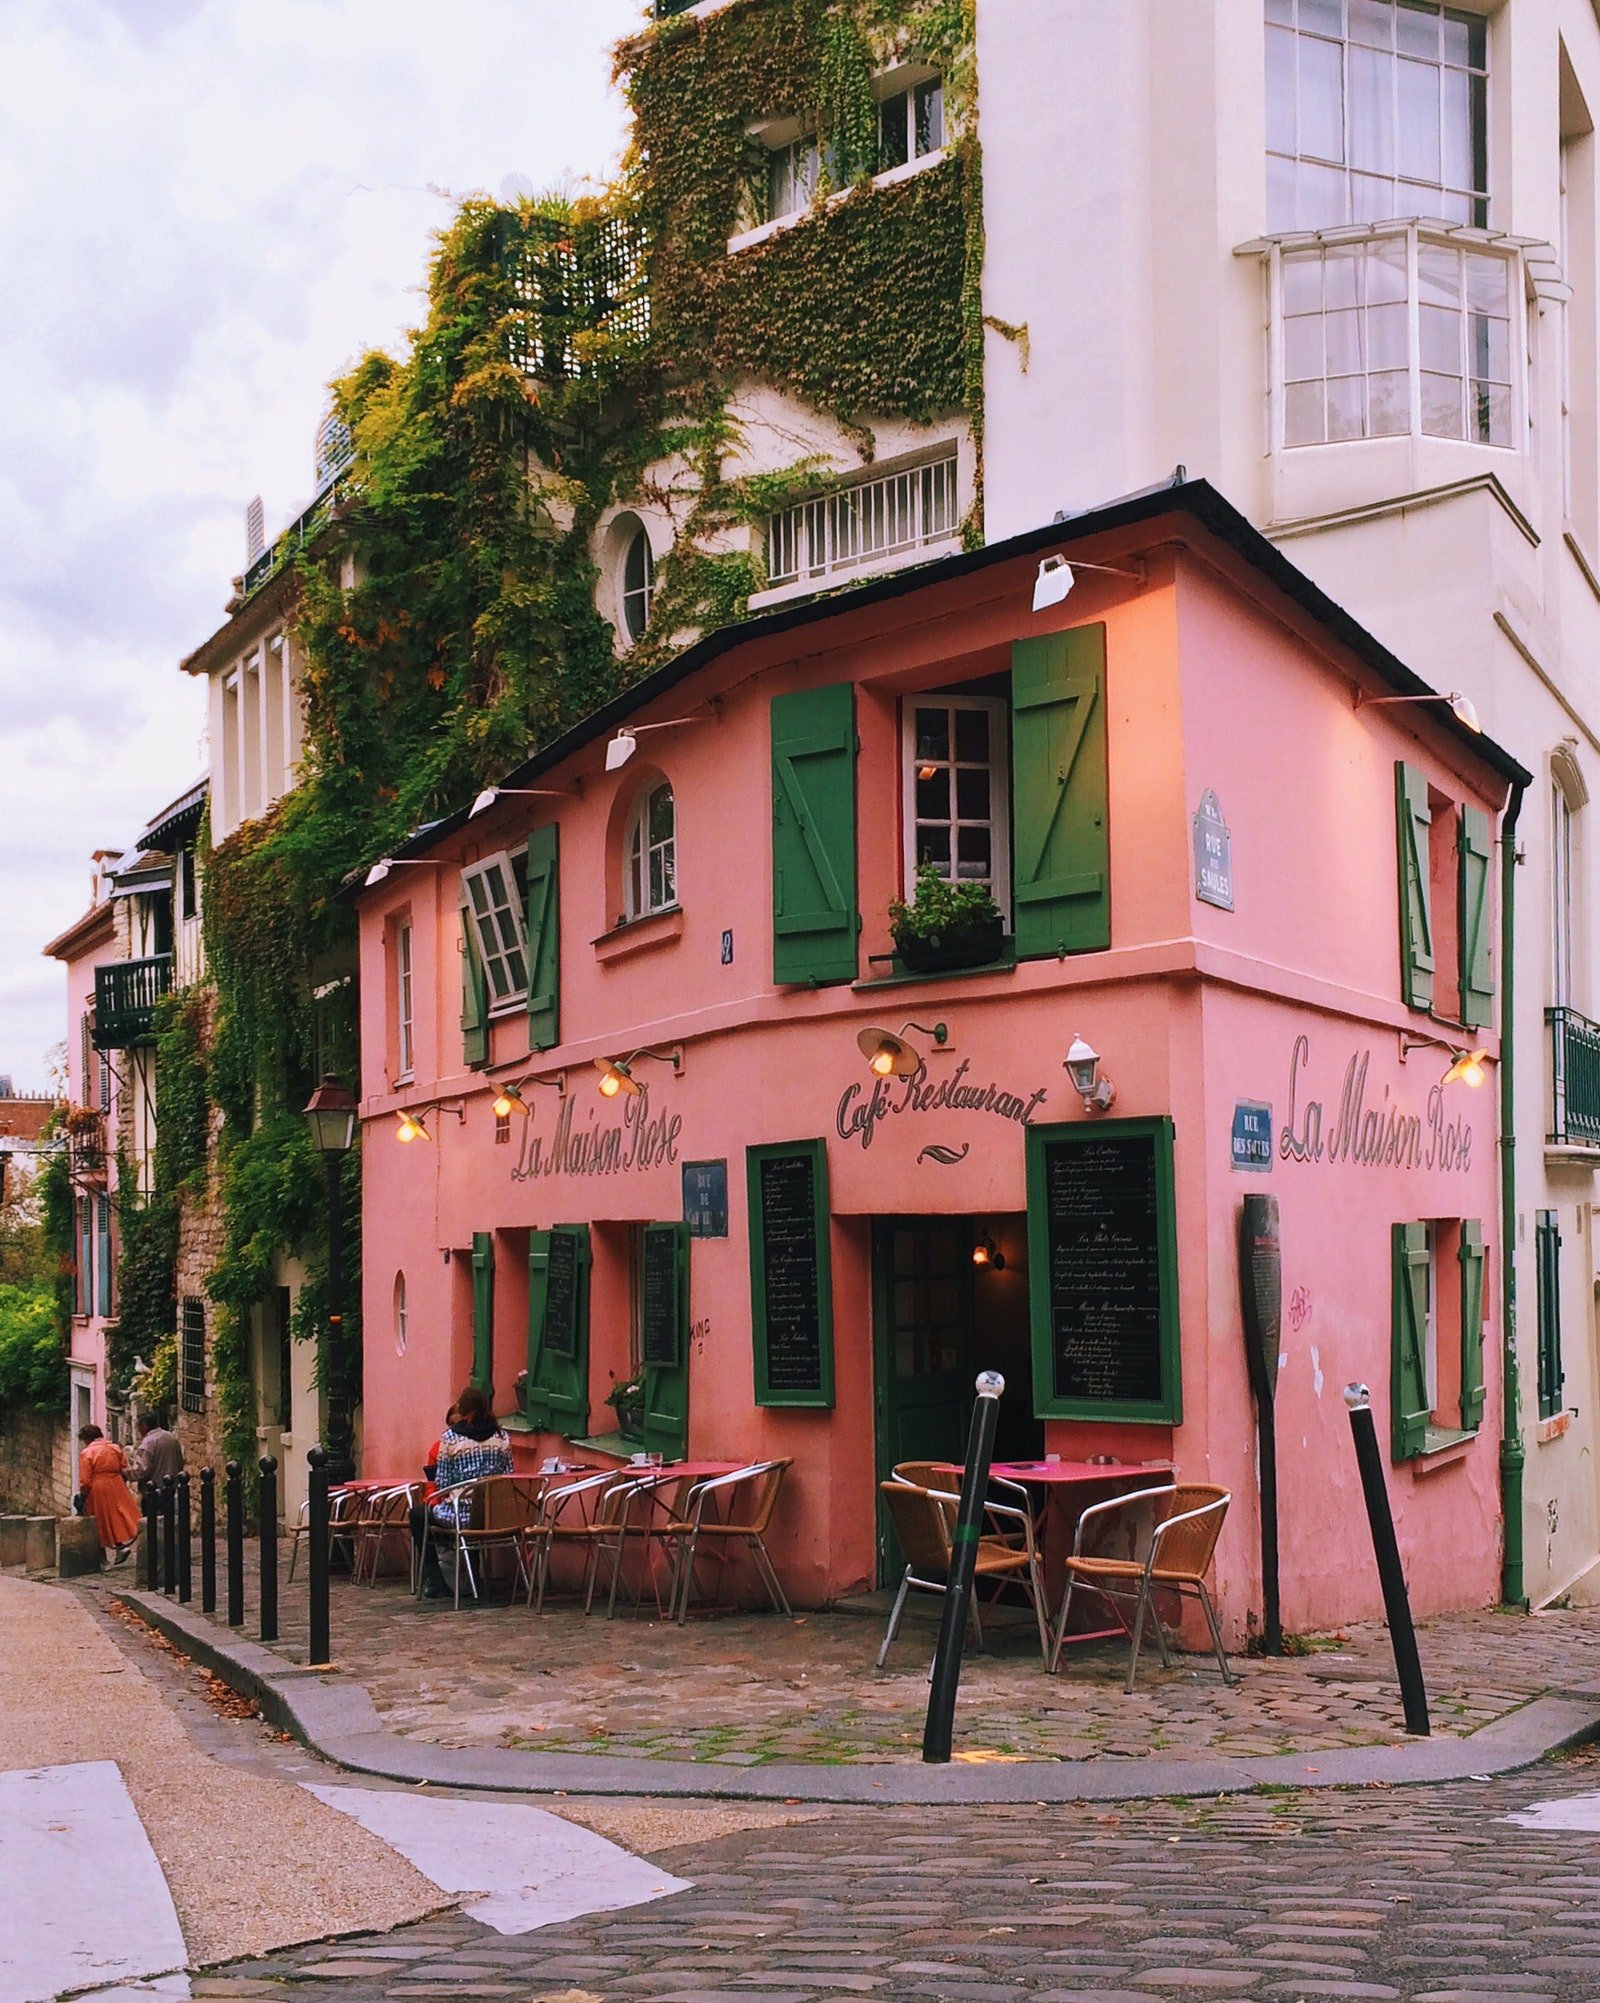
1366	1125
863	1108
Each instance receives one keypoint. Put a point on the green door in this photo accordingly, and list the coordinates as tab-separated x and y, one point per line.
922	1271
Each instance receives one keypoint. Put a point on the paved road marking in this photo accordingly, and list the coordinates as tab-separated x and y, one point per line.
1578	1811
533	1868
84	1896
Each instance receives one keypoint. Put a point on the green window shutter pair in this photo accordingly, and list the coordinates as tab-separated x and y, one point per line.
1409	1410
558	1329
1474	907
483	1311
474	999
1471	1260
665	1347
1060	834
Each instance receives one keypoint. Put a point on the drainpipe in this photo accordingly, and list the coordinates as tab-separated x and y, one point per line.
1512	1454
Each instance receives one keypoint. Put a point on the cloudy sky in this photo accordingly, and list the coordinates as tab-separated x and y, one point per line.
207	208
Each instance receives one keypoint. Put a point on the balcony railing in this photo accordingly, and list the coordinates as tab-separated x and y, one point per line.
1574	1079
86	1133
125	997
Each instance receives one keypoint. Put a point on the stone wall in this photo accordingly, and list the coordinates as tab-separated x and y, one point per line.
38	1468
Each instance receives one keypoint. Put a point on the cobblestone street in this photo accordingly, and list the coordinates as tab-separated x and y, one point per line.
1417	1893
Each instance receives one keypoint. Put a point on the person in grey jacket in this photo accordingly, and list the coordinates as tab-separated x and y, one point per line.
158	1455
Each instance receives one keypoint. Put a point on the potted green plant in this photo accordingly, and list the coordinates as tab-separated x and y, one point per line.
626	1399
946	925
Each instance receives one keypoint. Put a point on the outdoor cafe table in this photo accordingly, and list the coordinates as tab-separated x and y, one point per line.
1068	1489
664	1486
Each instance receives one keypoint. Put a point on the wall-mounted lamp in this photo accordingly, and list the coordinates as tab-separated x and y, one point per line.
1461	706
490	794
1082	1066
413	1123
380	870
1466	1066
889	1055
616	1073
626	742
1057	576
985	1252
509	1098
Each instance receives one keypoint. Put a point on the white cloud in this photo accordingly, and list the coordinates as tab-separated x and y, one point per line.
207	208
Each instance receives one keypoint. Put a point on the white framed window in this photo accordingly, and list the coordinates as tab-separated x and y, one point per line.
857	524
638	583
1563	893
911	124
1375	109
404	1040
494	904
1396	332
794	173
650	854
956	790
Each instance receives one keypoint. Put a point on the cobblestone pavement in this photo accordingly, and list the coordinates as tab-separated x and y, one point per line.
1416	1893
748	1689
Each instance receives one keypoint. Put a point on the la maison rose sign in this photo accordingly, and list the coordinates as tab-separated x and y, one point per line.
1366	1125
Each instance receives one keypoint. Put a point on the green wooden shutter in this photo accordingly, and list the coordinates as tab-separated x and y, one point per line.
1471	1256
103	1246
474	999
483	1311
814	916
544	940
558	1334
666	1385
1061	839
1547	1273
1409	1411
1416	917
1474	847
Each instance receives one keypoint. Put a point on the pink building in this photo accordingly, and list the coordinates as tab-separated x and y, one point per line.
1262	896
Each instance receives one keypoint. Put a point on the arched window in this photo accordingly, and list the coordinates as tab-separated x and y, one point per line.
638	583
650	854
400	1314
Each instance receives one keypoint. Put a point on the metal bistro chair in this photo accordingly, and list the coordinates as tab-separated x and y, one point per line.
685	1534
564	1523
1007	1555
383	1523
1189	1519
607	1533
497	1512
346	1506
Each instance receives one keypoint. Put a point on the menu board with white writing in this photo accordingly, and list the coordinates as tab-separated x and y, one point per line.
1101	1216
660	1300
561	1295
790	1275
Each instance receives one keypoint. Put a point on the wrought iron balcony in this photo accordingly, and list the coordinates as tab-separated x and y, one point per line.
86	1136
1574	1079
125	997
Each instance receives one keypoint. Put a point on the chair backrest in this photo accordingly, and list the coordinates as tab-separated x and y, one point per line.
510	1502
1187	1535
613	1501
570	1502
752	1495
942	1475
393	1505
922	1524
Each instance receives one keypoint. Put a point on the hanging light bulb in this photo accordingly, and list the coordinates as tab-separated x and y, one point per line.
411	1128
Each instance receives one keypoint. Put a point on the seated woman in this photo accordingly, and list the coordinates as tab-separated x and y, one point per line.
470	1447
103	1483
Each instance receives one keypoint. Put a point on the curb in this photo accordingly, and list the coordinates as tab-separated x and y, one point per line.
336	1718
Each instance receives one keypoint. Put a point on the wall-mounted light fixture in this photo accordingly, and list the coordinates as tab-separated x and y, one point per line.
413	1121
888	1054
1082	1066
626	742
510	1098
490	794
1466	1066
986	1253
1057	575
1461	706
616	1073
381	869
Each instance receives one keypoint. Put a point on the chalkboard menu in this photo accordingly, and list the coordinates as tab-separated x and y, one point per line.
791	1280
661	1299
561	1295
1103	1263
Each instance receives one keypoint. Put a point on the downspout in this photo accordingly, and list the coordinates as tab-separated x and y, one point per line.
1512	1454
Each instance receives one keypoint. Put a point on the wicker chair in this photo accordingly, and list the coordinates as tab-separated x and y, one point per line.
346	1507
753	1493
384	1523
564	1523
498	1512
1188	1520
1007	1555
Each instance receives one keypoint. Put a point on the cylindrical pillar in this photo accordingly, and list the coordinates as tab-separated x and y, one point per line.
150	1556
235	1534
185	1546
208	1540
169	1536
1396	1600
267	1585
317	1532
963	1558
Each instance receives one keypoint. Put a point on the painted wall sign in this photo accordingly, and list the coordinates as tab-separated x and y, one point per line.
1213	854
1370	1129
705	1198
1252	1136
862	1108
639	1139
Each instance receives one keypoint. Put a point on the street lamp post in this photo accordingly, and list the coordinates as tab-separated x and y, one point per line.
331	1116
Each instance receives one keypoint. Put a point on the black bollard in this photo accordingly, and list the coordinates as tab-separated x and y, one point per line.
317	1531
185	1545
268	1582
235	1531
169	1536
208	1540
963	1558
150	1557
1396	1601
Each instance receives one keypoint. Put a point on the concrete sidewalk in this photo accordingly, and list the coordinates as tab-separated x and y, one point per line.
334	1713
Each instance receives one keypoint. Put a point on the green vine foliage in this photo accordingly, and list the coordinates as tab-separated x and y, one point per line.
147	1307
184	1110
54	1188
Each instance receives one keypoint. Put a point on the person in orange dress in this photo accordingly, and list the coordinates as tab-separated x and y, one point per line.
102	1480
